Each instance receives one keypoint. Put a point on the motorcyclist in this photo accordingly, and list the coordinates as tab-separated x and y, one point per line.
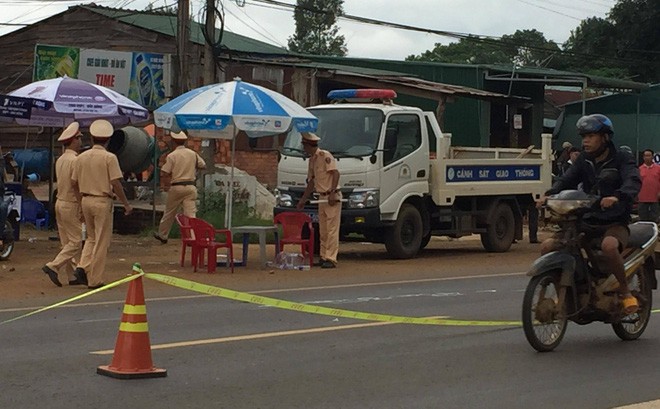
613	175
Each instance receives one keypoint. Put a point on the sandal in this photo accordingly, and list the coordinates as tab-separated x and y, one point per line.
630	304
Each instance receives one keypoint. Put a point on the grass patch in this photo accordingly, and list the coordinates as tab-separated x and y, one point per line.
211	208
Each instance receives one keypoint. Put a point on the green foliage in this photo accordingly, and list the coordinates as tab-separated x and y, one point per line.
316	32
212	209
524	47
626	44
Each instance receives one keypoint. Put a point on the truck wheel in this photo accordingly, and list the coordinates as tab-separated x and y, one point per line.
499	233
425	241
404	239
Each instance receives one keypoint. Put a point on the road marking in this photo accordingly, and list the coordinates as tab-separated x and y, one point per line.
260	336
254	336
275	291
652	404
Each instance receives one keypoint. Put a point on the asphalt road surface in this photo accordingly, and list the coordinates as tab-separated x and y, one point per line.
227	354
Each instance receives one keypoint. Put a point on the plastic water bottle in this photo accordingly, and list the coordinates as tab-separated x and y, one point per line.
296	261
290	261
304	267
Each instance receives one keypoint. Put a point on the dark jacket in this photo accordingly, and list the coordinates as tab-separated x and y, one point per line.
617	175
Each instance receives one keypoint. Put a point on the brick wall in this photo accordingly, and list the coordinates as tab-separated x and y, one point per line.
261	164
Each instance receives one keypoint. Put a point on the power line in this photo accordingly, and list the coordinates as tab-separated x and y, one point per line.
492	40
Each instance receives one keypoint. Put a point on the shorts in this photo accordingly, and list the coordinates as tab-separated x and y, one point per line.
597	233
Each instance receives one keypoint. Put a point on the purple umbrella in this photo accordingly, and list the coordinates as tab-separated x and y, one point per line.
68	99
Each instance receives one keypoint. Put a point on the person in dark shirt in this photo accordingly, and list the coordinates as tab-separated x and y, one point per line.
612	175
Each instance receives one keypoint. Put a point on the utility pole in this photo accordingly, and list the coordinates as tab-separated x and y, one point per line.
183	41
209	61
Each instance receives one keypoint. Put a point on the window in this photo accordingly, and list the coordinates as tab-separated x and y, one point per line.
403	136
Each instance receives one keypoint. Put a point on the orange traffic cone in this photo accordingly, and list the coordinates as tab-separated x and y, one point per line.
132	357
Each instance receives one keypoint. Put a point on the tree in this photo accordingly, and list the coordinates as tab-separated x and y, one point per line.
524	47
530	48
469	50
638	37
592	49
316	32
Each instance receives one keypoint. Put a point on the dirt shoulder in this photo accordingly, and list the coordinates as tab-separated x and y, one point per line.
23	283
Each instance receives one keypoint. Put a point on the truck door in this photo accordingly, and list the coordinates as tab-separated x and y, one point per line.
405	160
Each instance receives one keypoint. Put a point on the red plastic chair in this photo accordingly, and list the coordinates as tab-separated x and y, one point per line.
187	238
205	239
292	225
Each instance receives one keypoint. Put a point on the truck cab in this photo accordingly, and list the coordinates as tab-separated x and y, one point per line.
382	151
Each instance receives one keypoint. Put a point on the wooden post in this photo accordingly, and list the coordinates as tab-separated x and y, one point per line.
183	41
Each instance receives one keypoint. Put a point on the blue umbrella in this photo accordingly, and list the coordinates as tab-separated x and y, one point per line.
207	112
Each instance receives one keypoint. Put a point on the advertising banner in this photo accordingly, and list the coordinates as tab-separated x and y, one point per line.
111	69
142	77
147	86
15	107
52	61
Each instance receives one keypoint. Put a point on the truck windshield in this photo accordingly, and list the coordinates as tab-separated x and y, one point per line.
346	132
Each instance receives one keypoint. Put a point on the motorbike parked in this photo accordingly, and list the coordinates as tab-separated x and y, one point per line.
8	206
569	284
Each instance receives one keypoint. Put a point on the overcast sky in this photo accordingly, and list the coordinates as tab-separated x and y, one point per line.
554	18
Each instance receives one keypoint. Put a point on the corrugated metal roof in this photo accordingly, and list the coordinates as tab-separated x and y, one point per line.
550	76
165	23
429	89
375	78
546	75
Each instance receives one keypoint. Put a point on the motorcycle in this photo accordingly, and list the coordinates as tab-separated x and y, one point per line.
9	207
569	284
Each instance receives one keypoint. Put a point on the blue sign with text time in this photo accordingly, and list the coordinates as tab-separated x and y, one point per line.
493	173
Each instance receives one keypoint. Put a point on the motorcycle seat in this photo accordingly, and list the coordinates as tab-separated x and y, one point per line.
640	234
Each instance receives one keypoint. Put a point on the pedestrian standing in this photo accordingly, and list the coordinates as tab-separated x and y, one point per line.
323	177
650	193
97	178
67	211
562	158
533	223
177	178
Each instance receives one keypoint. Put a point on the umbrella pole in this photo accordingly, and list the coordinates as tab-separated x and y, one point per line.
230	193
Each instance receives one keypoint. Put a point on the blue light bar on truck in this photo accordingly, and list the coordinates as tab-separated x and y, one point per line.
362	93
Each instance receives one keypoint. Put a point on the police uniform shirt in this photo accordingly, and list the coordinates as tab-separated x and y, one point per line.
320	166
64	171
94	169
182	164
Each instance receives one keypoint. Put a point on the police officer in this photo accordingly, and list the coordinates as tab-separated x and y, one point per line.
67	210
323	177
97	177
177	178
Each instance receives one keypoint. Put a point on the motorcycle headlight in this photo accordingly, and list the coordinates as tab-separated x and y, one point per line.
283	199
362	200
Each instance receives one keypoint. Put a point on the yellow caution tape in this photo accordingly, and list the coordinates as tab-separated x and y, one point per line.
76	298
313	309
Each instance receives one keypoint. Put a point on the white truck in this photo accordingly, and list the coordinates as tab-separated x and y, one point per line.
405	182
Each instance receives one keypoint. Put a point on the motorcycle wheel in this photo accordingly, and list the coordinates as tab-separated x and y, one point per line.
8	247
632	326
544	321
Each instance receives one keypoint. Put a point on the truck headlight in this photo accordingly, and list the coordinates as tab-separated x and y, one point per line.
362	200
283	199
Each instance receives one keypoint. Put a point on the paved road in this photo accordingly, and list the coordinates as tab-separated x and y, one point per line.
238	355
